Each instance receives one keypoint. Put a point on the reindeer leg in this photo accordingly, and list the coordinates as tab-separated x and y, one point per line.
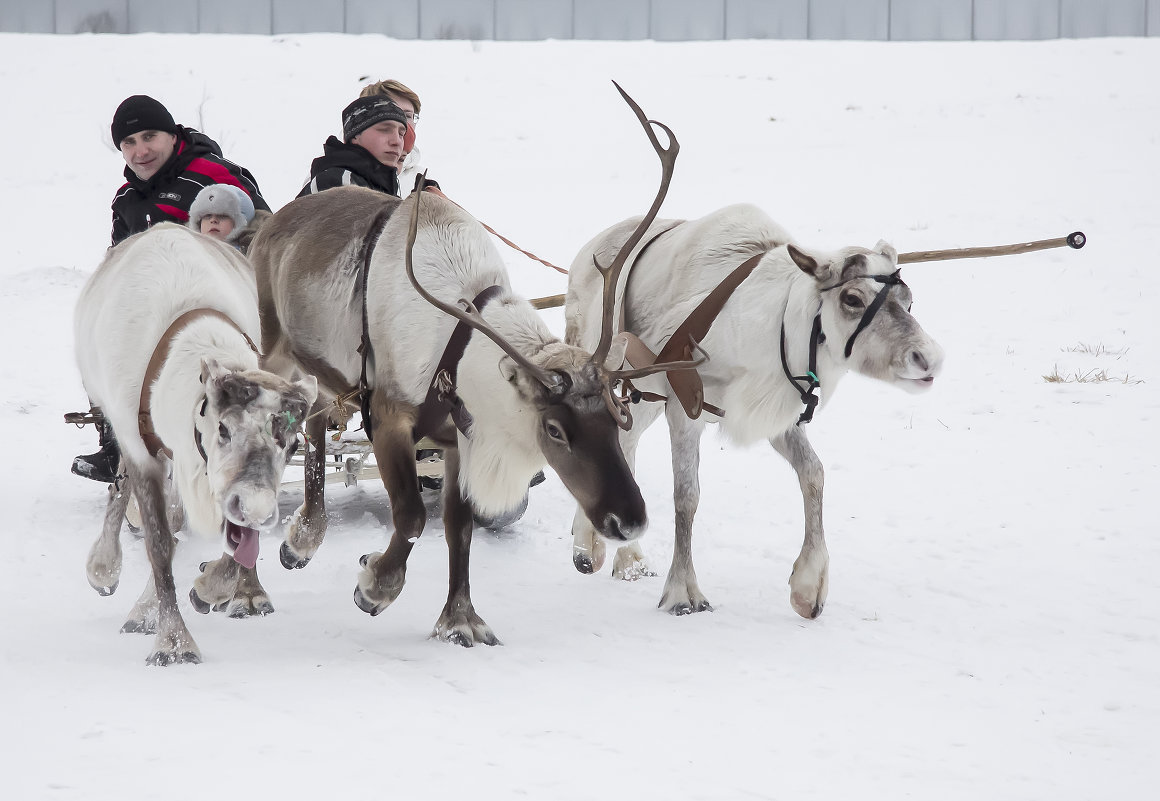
384	574
173	642
630	564
103	565
308	524
459	623
587	545
250	598
217	585
809	583
682	596
143	616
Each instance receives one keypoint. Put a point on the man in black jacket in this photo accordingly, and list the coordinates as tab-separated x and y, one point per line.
373	129
166	166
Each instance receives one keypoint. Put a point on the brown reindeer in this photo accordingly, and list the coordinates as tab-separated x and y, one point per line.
351	268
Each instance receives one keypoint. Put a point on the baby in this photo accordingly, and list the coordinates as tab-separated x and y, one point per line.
221	211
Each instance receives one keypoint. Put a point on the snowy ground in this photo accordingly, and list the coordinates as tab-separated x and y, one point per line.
993	624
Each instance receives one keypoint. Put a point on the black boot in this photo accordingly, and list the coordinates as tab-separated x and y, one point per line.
102	465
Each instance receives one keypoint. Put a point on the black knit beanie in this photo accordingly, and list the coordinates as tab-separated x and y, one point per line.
140	113
368	111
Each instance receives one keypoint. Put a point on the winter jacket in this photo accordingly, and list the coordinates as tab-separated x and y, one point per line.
196	162
343	165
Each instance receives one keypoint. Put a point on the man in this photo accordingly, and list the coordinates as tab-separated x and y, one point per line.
166	165
405	98
373	131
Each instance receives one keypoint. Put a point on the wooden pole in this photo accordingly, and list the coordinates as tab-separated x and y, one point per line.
1074	240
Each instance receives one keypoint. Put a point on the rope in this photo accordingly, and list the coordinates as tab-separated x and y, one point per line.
500	236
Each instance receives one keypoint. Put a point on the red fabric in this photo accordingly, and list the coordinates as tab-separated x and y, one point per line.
174	212
217	173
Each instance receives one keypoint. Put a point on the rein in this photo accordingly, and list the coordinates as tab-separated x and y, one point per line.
436	191
160	353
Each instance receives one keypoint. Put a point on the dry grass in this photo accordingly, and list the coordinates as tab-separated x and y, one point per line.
1095	350
1092	376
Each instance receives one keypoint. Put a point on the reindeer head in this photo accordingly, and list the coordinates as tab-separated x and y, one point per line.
866	316
247	427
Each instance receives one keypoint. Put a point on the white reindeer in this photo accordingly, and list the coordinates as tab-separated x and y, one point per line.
828	313
163	341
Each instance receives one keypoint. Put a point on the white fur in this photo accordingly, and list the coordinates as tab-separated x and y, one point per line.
121	315
453	258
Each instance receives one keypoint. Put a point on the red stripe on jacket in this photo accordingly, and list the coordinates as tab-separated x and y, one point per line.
174	212
218	173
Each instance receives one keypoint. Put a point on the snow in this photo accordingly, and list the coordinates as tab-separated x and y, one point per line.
993	623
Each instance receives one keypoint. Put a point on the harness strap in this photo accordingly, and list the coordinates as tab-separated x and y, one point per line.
364	349
160	353
811	377
687	384
887	281
442	400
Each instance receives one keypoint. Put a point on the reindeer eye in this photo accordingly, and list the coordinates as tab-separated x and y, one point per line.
223	432
555	432
852	300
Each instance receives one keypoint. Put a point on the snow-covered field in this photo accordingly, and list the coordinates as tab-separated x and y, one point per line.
993	624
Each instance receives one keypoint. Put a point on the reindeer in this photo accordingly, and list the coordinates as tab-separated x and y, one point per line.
826	313
501	405
163	341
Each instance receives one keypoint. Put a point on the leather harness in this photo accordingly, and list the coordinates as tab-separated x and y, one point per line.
160	353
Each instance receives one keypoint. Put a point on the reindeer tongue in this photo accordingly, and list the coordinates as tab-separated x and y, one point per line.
246	550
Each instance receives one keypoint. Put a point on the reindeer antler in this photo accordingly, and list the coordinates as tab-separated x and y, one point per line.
469	314
611	275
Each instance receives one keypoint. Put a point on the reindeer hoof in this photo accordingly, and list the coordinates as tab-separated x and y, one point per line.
164	659
583	563
291	560
201	606
105	592
363	603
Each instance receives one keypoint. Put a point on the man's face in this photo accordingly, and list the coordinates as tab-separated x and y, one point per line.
217	225
147	151
384	141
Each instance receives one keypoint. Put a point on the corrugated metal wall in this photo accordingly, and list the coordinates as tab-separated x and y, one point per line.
666	20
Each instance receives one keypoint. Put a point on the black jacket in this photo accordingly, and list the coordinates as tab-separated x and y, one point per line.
342	165
196	162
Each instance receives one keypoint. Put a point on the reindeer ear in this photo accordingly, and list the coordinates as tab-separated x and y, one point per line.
211	369
805	262
307	386
887	250
509	369
820	271
615	358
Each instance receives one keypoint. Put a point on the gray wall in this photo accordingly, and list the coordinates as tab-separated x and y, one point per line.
665	20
